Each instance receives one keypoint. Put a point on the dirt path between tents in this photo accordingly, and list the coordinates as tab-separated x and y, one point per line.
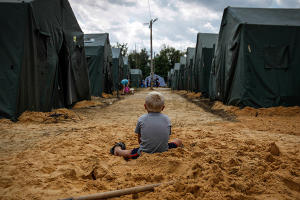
67	154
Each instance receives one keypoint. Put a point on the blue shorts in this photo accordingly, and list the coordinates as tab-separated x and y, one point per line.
135	153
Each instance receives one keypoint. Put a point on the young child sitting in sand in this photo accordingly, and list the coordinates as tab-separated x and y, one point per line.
153	130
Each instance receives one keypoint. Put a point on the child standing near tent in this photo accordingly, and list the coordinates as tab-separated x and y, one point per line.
124	84
153	130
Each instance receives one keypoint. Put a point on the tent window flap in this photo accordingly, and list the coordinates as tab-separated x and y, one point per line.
276	57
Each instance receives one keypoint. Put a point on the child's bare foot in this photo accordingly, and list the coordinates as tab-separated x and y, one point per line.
117	147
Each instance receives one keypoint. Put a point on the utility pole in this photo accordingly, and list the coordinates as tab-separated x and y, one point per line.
154	63
136	66
151	62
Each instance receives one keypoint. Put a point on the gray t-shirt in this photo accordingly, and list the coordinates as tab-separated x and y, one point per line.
155	129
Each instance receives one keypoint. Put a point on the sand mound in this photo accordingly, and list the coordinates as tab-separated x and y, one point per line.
95	98
220	105
181	92
5	121
104	95
54	116
193	95
86	104
248	111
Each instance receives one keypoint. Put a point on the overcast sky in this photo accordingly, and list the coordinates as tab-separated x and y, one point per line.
178	21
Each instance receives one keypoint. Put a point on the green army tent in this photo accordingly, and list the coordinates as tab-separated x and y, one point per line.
135	77
182	76
175	76
99	58
172	78
205	48
117	67
257	61
42	59
169	78
190	76
126	68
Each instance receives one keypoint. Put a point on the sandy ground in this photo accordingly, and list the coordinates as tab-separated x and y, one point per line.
66	152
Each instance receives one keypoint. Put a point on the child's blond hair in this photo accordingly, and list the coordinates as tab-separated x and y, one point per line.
154	102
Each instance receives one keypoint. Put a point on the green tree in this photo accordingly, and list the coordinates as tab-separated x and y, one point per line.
166	59
140	60
144	62
133	59
162	62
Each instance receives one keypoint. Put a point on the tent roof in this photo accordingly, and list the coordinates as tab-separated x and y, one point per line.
116	52
15	1
154	75
135	71
182	60
207	39
190	53
125	60
98	39
265	16
161	80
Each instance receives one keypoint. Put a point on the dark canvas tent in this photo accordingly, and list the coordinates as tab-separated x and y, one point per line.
205	48
117	67
257	61
169	77
190	76
135	77
42	59
99	58
175	76
126	68
182	76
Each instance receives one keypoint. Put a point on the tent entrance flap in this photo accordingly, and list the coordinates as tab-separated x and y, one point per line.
66	75
62	84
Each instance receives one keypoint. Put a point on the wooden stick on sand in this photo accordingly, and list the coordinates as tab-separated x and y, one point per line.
117	193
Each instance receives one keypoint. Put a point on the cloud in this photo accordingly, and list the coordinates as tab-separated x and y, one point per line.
127	3
219	6
288	3
209	26
178	23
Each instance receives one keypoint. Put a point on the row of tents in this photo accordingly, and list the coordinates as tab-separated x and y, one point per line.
253	61
106	65
47	62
